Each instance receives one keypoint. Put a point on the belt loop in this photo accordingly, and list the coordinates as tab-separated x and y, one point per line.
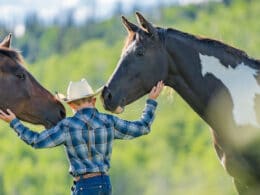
104	177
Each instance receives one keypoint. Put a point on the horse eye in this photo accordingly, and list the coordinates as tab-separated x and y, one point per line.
140	52
20	76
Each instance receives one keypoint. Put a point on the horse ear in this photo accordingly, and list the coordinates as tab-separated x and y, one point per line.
130	27
147	26
7	41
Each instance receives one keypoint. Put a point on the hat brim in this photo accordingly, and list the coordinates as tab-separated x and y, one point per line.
63	98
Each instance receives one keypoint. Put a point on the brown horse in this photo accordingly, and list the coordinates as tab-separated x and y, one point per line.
20	92
219	82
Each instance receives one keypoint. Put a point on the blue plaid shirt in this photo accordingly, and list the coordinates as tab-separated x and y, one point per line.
88	136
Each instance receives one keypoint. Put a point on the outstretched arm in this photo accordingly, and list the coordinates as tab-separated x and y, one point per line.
131	129
47	138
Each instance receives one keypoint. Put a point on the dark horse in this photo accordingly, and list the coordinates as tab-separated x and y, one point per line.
219	82
20	92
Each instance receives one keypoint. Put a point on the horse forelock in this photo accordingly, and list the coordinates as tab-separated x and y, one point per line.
128	40
13	54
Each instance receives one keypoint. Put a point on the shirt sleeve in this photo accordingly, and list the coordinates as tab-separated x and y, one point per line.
48	138
130	129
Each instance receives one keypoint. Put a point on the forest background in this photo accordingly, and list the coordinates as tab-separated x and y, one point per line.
177	157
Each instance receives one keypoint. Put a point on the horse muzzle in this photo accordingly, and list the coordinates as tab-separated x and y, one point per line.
118	110
111	101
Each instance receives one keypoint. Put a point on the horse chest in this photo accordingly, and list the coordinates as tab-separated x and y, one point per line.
241	85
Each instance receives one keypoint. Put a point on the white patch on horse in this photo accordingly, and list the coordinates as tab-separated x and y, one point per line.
242	86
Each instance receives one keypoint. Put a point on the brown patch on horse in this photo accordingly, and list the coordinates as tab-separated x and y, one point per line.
13	54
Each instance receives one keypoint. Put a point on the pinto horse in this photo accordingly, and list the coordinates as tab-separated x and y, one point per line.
219	82
20	92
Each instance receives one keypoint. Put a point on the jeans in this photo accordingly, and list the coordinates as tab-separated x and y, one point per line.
99	185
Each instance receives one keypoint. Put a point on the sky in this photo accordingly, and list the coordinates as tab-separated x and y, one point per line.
14	11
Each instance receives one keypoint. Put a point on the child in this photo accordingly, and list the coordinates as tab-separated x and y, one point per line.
87	136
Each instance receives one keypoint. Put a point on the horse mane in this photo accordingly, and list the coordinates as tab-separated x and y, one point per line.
216	43
13	54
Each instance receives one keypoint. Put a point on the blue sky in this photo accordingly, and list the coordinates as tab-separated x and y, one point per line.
14	11
50	8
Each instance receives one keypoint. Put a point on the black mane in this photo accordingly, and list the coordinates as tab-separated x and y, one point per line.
216	43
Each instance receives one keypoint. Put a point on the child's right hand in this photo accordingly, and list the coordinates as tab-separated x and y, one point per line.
156	90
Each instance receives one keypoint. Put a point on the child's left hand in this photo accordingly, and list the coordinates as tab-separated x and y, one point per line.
7	117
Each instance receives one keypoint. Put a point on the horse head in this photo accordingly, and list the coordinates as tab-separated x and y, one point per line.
20	92
143	59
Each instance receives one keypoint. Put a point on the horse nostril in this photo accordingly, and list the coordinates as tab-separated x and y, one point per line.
123	101
62	114
109	96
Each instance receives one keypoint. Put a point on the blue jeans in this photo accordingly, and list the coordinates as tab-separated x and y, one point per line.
99	185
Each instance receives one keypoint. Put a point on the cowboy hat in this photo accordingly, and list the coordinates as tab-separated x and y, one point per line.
78	90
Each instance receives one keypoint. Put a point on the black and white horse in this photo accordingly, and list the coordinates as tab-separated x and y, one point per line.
219	82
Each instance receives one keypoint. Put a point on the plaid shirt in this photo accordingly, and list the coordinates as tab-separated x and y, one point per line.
88	136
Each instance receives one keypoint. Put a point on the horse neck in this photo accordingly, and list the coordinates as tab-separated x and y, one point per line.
184	71
208	74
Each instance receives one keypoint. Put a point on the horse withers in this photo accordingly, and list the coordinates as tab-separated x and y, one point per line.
219	82
20	92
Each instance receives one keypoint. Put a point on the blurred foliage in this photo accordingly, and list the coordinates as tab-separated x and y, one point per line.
177	157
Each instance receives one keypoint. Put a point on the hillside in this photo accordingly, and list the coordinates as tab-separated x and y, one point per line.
177	157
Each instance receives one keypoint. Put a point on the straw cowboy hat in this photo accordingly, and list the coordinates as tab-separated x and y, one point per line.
78	90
